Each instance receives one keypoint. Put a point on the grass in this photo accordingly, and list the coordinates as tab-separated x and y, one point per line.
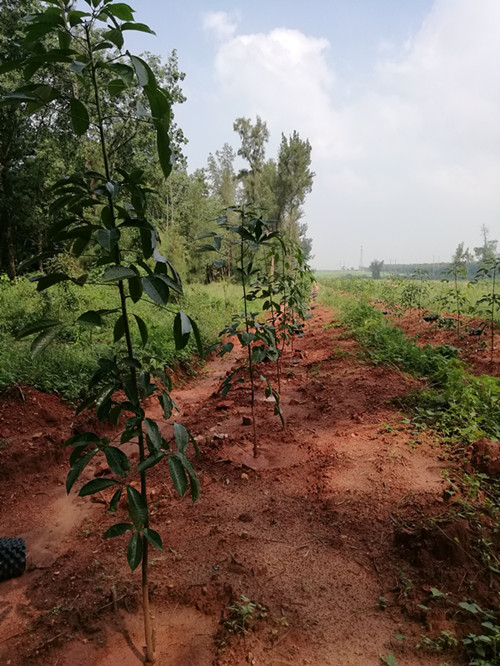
432	295
67	364
457	403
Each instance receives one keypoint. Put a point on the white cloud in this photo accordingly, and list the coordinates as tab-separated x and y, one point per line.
411	165
220	24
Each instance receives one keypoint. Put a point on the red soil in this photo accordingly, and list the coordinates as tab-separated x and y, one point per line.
331	516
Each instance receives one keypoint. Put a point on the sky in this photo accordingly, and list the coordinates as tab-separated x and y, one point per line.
400	101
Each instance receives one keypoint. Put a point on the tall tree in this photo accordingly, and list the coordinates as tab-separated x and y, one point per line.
487	251
254	138
376	269
31	149
221	175
294	179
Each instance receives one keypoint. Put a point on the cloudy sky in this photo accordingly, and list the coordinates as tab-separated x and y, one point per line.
400	101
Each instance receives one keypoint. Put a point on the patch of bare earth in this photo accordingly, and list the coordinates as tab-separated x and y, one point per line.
316	529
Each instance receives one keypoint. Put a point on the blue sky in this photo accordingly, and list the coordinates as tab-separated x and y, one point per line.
400	100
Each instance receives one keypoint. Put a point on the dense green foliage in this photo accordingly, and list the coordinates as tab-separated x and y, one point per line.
66	365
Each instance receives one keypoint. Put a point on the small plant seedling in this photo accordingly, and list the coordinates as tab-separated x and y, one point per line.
388	660
243	614
382	603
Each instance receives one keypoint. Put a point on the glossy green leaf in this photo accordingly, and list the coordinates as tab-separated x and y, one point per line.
143	71
181	435
113	273
48	280
178	475
121	11
134	551
197	337
114	35
166	403
117	461
77	468
182	329
194	482
125	72
154	434
79	116
118	529
135	288
108	238
151	461
43	340
153	537
141	27
143	329
156	288
113	504
119	328
165	154
96	486
137	507
35	327
90	318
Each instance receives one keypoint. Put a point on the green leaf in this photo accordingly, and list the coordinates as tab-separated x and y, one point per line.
113	504
90	318
121	10
77	468
114	35
143	71
118	529
143	329
154	434
156	288
35	327
118	462
181	435
165	154
166	403
178	475
153	537
43	340
113	273
83	438
108	238
182	329
75	17
197	337
95	486
116	87
193	478
125	72
119	328
141	27
135	288
151	461
134	551
79	116
137	507
48	280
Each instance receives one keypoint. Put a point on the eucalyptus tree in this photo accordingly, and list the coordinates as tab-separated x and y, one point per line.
254	138
105	209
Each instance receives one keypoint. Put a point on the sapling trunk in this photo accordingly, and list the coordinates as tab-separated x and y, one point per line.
148	630
249	346
492	322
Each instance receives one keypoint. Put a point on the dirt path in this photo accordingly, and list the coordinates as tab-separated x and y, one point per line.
306	530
